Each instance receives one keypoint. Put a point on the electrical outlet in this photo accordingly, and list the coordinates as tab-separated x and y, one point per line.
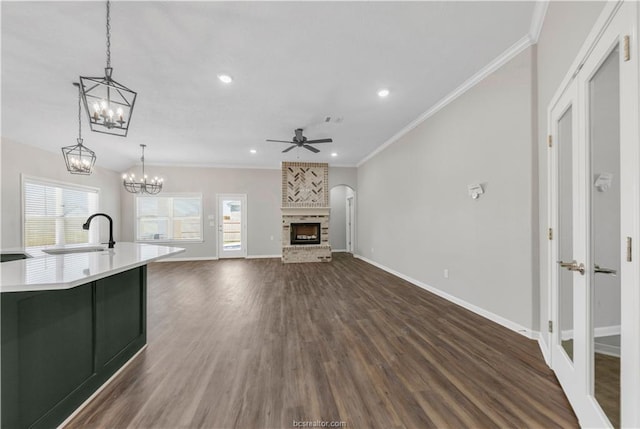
372	250
272	238
446	273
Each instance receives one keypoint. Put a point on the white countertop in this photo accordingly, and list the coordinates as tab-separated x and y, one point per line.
55	272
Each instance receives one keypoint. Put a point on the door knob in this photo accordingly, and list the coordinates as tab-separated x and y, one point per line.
598	269
572	266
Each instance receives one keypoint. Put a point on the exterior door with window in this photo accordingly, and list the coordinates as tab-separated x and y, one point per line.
232	225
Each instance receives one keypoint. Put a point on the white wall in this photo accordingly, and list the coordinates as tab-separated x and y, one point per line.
565	28
414	214
20	159
343	176
262	186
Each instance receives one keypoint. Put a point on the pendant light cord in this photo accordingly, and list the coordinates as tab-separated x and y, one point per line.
108	34
142	159
79	113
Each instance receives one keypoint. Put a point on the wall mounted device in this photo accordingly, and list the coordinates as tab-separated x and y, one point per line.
475	190
603	181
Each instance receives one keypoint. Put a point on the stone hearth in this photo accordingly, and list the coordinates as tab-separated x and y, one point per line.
305	199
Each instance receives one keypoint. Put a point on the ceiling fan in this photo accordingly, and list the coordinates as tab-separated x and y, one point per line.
301	141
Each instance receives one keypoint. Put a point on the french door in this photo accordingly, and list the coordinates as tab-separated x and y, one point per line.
232	225
594	217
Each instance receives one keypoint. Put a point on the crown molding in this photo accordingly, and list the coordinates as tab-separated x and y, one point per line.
537	20
494	65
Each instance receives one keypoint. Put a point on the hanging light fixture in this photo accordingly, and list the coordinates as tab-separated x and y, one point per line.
144	186
108	104
79	158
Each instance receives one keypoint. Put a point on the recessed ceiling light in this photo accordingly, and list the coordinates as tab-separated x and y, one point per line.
225	78
334	154
383	93
253	151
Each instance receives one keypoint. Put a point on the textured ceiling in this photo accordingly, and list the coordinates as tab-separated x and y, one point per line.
293	64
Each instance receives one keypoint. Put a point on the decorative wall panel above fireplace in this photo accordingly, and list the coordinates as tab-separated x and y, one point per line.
305	212
304	184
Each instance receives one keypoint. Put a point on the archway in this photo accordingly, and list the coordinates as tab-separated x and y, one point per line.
342	228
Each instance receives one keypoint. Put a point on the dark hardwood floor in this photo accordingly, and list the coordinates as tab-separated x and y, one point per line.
259	344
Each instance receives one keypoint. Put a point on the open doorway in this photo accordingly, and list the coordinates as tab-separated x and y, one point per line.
342	200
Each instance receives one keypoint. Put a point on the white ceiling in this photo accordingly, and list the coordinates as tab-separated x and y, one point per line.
293	64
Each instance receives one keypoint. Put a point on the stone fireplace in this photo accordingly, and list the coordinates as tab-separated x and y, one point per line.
305	212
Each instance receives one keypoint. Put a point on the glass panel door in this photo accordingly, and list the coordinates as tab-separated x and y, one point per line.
599	371
564	142
566	278
604	140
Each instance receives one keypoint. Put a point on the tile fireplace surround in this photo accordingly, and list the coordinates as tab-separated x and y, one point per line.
305	199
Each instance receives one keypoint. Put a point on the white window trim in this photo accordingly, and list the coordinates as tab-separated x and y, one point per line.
94	231
169	195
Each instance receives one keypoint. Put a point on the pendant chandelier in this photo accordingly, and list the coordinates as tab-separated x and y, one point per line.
144	186
108	104
79	158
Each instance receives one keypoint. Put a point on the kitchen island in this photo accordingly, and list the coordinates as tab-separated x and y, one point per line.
70	321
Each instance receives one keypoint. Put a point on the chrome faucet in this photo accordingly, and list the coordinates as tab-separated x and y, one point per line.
88	222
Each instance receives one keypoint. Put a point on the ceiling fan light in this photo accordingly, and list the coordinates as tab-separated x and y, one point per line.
383	93
225	78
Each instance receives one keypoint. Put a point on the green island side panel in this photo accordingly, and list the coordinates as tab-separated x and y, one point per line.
59	347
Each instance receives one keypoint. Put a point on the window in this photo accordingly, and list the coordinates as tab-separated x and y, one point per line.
53	213
169	218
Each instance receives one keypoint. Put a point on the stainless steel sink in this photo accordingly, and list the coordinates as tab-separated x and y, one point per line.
66	250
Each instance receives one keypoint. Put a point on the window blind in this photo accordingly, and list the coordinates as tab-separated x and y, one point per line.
54	213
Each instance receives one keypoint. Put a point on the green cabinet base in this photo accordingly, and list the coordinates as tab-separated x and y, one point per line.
59	347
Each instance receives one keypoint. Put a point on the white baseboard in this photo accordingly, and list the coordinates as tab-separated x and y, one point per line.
471	307
189	259
214	258
544	349
338	250
606	349
263	256
100	389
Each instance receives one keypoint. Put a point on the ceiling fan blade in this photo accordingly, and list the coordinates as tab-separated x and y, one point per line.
279	141
311	148
289	148
320	141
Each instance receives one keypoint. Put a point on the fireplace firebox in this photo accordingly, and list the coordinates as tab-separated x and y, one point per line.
305	233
